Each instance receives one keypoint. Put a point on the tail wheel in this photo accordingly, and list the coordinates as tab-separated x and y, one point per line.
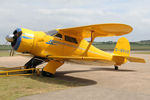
116	67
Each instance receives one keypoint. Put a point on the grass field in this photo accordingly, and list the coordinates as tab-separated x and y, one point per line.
4	53
18	86
5	47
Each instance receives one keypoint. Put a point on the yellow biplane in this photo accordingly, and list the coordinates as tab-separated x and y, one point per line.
69	45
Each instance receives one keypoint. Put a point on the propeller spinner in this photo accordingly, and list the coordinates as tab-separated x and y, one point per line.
12	38
9	38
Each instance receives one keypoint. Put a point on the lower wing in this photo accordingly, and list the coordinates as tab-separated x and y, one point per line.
84	60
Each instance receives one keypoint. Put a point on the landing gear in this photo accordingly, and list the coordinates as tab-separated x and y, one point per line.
116	67
35	61
47	74
50	69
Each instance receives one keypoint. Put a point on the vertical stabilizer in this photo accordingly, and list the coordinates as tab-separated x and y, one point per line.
122	47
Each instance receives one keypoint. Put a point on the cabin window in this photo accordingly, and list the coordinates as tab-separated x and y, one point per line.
71	39
52	32
58	35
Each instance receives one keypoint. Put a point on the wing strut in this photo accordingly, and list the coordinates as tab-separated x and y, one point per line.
92	40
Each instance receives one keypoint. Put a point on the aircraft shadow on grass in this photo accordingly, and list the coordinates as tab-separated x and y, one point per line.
61	75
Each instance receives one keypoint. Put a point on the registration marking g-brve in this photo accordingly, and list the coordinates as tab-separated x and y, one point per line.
122	50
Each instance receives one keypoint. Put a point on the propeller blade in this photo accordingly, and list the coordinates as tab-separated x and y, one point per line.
11	52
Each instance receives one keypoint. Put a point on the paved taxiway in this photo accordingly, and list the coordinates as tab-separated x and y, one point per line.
131	82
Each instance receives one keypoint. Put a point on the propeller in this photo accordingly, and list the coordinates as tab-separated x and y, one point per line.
11	52
12	38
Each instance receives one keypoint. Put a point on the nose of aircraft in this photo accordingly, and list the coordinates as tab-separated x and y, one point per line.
9	38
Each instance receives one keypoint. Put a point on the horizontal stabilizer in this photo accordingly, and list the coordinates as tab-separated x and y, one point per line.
132	59
136	59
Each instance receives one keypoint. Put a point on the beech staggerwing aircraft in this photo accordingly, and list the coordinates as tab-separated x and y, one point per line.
69	45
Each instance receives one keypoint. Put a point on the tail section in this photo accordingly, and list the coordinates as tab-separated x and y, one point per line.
122	53
122	47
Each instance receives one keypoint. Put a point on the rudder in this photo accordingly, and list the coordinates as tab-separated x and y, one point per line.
122	47
122	53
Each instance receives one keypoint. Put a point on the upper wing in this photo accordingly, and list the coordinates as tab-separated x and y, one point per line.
100	30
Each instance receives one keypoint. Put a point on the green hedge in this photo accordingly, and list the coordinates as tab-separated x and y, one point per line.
103	46
5	47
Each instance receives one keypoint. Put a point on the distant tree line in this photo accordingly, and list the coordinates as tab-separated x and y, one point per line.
143	42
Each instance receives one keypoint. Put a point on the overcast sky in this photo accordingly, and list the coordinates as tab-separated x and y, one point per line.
44	15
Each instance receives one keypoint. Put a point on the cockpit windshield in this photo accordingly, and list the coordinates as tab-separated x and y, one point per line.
52	32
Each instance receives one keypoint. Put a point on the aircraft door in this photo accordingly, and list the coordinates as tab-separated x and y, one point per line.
55	46
71	46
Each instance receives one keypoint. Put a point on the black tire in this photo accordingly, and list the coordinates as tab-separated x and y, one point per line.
116	68
32	63
47	74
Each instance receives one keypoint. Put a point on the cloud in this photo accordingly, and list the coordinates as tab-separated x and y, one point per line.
50	14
